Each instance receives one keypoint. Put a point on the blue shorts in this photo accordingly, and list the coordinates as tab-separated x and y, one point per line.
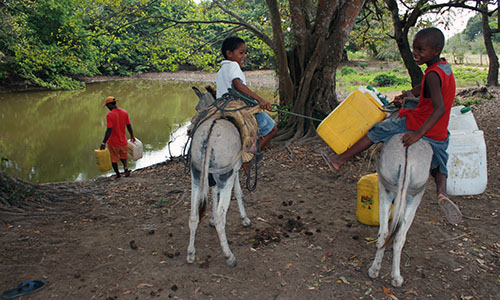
384	130
265	123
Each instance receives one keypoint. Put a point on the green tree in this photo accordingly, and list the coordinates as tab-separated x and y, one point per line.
371	32
47	47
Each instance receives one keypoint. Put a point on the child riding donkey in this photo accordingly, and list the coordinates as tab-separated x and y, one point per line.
218	146
230	75
428	121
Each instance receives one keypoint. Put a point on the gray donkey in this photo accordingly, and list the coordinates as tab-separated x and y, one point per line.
215	160
402	178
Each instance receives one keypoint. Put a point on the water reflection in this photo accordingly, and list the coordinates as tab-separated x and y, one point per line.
50	136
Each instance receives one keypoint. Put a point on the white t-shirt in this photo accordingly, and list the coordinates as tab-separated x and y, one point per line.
229	70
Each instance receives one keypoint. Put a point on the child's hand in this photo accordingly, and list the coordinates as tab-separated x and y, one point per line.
410	138
399	99
265	105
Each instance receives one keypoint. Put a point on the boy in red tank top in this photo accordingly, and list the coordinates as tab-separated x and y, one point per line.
429	120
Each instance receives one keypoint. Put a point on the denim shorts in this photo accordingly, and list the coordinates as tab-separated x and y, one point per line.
384	130
265	122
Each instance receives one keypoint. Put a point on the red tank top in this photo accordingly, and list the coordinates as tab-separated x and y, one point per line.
416	117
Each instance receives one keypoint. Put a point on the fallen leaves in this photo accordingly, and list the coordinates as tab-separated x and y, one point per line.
327	255
390	293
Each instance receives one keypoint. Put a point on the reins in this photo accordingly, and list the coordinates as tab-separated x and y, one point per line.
276	107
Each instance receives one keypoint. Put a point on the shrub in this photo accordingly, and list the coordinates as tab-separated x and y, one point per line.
385	79
347	70
283	117
363	64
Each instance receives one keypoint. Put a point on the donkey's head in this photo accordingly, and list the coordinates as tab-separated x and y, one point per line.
205	99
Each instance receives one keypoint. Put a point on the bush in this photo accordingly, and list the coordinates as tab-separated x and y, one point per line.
363	64
283	117
348	70
388	79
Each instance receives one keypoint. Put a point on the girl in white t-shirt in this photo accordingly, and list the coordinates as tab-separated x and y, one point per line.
230	75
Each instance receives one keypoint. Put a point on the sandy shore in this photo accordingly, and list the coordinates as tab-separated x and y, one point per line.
260	78
263	78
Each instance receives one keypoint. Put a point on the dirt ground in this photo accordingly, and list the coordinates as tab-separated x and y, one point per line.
127	238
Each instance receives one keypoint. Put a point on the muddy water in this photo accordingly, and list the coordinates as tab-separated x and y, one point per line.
50	136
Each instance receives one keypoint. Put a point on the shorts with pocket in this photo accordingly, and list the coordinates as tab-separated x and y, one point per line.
265	123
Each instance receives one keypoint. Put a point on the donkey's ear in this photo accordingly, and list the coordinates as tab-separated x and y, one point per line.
211	90
197	91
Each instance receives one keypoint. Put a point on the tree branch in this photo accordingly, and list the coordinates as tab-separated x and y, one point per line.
263	37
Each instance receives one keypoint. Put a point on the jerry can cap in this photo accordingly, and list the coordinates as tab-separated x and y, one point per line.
465	109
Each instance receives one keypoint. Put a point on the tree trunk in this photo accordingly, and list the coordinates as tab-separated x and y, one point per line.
285	82
311	63
401	29
492	79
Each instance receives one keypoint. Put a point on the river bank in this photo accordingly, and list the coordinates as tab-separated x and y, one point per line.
260	78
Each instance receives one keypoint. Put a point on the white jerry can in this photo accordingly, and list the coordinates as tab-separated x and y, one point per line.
135	149
467	169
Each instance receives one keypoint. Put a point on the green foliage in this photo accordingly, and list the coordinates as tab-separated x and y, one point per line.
51	43
474	28
468	75
283	117
49	47
370	33
366	76
362	64
388	51
347	70
388	79
468	102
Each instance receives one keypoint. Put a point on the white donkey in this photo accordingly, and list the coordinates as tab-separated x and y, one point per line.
402	178
215	158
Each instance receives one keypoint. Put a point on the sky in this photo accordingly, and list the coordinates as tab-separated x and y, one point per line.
457	22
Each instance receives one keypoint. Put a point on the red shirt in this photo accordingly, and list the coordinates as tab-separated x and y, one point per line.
117	119
415	118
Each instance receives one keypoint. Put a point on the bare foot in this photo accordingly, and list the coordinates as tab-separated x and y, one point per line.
332	160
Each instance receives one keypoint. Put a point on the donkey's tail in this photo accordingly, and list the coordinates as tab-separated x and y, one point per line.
204	174
399	209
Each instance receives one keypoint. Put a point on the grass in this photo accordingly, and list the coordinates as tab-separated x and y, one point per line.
390	77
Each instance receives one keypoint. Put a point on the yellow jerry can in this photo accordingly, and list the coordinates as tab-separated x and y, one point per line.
351	120
103	159
367	207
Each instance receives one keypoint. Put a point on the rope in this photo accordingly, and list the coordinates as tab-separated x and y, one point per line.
276	107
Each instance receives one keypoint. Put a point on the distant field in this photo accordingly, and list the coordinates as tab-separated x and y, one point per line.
469	59
393	76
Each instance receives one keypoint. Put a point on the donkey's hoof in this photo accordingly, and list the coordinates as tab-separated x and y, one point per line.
246	222
397	281
191	257
373	272
231	261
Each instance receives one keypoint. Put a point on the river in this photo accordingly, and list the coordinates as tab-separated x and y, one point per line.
50	136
